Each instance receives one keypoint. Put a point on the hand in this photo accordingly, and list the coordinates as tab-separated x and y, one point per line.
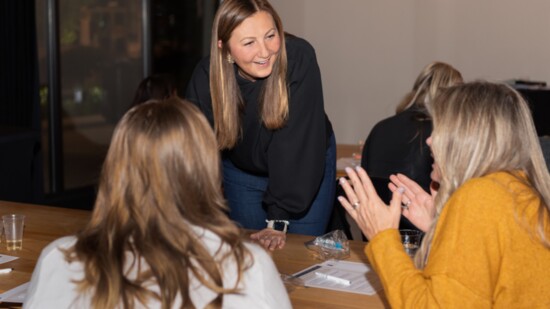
419	208
270	239
365	206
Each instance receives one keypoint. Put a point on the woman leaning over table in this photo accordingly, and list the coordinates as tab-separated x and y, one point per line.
158	236
488	240
261	91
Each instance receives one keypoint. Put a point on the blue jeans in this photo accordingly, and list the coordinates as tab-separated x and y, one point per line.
244	193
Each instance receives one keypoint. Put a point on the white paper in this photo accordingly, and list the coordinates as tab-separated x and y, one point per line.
362	278
7	258
15	295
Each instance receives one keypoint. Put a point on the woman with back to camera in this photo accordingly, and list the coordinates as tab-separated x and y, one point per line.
158	236
488	242
397	144
261	91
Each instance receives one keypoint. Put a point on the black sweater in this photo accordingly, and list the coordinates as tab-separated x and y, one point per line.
293	157
398	145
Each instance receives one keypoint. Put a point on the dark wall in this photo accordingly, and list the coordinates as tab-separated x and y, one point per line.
20	176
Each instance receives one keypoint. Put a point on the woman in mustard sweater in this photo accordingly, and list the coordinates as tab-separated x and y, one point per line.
487	241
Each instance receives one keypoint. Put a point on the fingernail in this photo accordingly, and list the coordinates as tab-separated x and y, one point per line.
348	169
340	199
342	180
401	190
358	168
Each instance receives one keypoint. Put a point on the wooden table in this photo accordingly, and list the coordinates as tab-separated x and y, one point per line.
44	224
295	257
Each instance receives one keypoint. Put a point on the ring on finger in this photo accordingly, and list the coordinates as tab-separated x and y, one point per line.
406	205
355	205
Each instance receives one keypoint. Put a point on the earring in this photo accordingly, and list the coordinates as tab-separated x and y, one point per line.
230	59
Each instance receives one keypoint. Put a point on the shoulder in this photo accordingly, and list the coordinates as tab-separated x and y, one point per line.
202	69
397	126
52	257
300	56
201	73
204	63
405	118
493	193
296	46
58	246
52	282
494	184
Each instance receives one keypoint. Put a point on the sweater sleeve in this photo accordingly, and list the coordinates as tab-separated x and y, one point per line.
465	254
296	155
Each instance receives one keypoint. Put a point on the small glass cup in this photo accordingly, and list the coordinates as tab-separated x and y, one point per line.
357	154
13	231
411	241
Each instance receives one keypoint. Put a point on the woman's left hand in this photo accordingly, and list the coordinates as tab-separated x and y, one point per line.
365	206
270	239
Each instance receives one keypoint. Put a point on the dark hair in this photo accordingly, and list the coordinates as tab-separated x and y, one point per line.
156	86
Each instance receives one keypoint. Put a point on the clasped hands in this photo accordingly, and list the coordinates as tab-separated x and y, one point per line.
373	216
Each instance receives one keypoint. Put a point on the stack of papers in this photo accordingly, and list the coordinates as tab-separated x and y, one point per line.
7	258
343	276
15	295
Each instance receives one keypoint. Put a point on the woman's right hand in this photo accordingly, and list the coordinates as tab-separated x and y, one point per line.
419	208
270	239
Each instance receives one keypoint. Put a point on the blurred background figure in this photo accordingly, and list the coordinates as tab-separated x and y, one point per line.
156	86
398	144
159	236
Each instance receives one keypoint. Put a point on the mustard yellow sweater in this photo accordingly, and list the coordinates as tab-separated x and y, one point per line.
481	256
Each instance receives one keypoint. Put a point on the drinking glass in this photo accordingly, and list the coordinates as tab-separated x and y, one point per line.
411	241
13	231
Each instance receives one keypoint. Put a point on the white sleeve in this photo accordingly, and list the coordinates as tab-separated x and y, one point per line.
265	281
50	285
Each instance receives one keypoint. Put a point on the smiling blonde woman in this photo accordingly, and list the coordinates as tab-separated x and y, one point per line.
262	93
488	244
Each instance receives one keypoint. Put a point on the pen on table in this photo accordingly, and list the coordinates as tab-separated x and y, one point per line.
334	278
5	270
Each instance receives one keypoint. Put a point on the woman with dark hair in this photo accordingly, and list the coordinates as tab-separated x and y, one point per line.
159	236
487	242
261	91
396	145
156	86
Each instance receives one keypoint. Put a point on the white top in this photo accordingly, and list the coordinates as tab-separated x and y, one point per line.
51	285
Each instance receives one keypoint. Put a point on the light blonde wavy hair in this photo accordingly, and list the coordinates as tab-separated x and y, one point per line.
226	96
433	77
482	128
161	178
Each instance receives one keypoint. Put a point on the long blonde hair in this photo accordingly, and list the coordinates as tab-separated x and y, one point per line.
482	128
433	77
226	96
160	180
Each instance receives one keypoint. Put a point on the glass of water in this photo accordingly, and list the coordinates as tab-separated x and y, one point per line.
13	231
411	241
